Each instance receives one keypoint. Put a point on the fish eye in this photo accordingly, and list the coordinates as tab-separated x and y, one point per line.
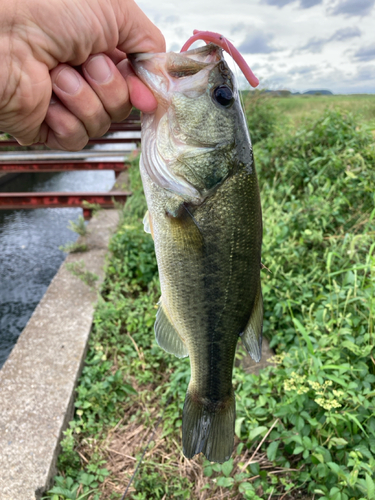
223	95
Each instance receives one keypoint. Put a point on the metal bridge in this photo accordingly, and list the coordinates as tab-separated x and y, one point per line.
37	158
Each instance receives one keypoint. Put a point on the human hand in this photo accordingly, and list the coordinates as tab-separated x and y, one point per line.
78	51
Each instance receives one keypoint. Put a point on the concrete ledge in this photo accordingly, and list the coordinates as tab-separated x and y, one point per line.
37	381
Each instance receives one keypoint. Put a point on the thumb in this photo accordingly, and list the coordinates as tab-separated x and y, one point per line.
136	32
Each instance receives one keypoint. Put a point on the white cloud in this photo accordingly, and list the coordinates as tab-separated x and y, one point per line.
303	4
366	73
257	42
302	70
316	45
352	7
365	53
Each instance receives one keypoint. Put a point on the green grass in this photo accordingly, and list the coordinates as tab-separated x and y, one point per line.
298	108
305	427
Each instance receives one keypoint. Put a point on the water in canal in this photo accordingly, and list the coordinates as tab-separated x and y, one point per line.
29	246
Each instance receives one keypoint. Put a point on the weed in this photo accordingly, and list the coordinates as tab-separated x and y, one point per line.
79	226
78	269
94	207
261	115
300	108
74	247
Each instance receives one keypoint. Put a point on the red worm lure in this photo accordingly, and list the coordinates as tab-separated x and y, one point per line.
224	43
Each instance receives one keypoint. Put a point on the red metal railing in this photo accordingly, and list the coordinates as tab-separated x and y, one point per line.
37	158
49	166
15	201
100	140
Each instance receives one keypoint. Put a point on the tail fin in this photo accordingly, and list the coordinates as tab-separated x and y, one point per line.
208	428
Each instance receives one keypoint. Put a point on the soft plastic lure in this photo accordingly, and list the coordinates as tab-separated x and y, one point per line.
224	43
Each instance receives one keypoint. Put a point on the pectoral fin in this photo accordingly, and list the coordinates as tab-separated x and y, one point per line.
147	224
252	336
167	336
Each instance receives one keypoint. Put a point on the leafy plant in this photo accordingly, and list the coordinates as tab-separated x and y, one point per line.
83	487
78	269
94	207
74	247
261	115
79	226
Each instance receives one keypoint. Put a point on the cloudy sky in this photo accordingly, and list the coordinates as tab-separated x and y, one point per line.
292	44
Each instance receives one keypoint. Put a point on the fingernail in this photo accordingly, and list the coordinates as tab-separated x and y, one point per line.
98	69
68	81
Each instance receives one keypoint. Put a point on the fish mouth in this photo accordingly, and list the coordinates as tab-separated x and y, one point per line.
181	64
164	73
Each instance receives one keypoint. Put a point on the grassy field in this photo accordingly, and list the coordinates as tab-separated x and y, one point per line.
298	108
305	426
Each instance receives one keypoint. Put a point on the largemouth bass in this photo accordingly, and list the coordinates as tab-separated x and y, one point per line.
204	214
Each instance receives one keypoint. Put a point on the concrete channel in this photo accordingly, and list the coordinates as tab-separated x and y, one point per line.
38	379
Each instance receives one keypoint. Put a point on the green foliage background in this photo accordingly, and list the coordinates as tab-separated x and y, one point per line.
313	411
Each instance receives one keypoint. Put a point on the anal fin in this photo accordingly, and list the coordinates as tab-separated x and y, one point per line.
252	335
167	336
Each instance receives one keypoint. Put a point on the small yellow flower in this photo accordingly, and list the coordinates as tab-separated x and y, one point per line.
327	404
296	383
335	404
315	385
277	359
289	385
338	394
303	390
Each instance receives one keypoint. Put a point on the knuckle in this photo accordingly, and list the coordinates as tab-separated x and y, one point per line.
73	137
69	144
97	124
71	128
120	112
